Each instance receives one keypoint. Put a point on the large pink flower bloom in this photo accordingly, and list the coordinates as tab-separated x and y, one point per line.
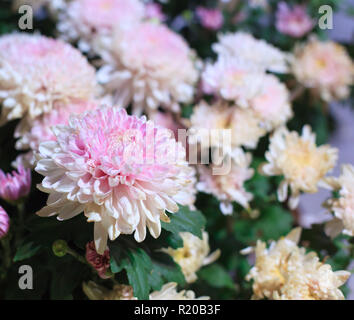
294	22
32	133
4	223
148	65
16	185
36	72
120	170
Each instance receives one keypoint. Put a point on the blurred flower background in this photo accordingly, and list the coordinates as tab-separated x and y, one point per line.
82	87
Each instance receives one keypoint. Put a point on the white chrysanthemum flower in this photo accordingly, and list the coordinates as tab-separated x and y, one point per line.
246	128
247	48
233	79
169	292
343	207
121	171
272	104
84	20
299	160
325	67
228	187
148	65
32	80
285	272
206	123
193	255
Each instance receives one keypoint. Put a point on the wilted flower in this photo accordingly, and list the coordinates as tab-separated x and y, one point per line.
16	185
4	223
233	79
193	255
343	207
86	19
212	19
32	133
32	80
272	104
228	186
325	67
150	66
120	170
285	272
245	47
294	22
100	262
299	160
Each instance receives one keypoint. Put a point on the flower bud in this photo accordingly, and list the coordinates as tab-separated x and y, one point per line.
4	223
60	248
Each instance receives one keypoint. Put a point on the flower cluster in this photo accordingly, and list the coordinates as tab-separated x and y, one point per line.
285	271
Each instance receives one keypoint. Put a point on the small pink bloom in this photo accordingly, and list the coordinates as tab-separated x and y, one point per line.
100	262
4	223
210	18
16	185
294	22
154	11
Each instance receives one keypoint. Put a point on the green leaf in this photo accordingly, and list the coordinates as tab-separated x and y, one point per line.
174	241
186	220
28	250
216	276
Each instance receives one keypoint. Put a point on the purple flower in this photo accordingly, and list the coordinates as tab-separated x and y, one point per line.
210	18
16	185
294	22
4	223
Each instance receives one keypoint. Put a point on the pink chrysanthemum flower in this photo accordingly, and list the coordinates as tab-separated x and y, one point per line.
228	187
294	22
4	223
85	19
121	171
32	133
233	79
100	262
150	66
16	185
36	72
272	103
210	18
325	67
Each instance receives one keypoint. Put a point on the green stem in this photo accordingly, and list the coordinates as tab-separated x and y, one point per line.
77	256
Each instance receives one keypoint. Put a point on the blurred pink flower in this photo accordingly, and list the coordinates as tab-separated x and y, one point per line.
154	11
16	185
4	223
100	262
210	18
294	22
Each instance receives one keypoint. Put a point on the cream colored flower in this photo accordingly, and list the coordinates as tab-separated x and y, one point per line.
324	66
343	207
193	255
149	66
299	160
247	48
125	292
206	123
228	187
246	128
285	272
169	292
